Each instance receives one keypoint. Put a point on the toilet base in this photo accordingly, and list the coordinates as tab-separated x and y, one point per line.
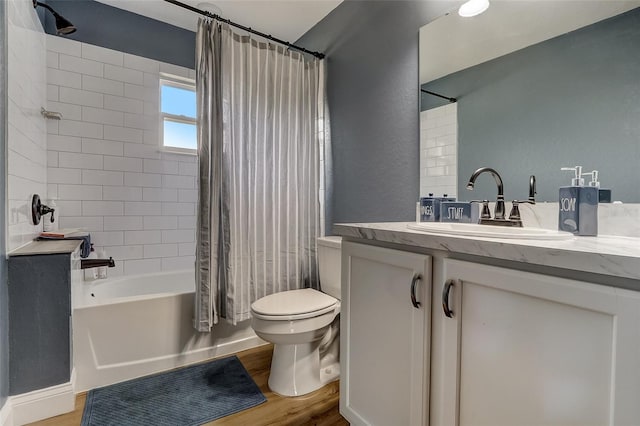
298	370
330	373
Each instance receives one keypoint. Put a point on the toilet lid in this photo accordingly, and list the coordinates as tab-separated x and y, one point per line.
293	302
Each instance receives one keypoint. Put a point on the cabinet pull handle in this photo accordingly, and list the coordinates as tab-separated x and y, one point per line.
445	298
414	282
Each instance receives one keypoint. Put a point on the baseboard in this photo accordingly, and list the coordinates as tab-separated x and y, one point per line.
236	346
6	414
42	403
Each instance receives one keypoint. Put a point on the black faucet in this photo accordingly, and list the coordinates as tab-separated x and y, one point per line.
498	213
96	263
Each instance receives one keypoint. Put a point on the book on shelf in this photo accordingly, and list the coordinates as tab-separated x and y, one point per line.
63	233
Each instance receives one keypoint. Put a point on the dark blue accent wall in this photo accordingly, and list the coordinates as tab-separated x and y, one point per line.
4	305
39	332
117	29
571	100
372	50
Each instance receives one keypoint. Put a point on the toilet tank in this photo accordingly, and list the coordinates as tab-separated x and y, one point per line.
329	252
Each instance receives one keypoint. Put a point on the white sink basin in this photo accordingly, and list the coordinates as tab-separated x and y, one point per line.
489	231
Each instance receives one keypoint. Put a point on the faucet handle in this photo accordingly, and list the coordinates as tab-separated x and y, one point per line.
486	213
515	211
532	189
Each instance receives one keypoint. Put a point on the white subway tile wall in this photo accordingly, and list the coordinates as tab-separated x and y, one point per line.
439	151
27	141
104	161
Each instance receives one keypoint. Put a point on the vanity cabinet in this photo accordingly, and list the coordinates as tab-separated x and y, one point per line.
522	348
384	335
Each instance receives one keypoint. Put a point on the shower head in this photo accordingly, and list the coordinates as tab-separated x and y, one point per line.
63	26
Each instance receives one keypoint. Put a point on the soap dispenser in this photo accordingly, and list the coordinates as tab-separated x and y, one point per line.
578	206
604	195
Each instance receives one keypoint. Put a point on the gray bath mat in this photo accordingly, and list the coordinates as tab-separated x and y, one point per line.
189	396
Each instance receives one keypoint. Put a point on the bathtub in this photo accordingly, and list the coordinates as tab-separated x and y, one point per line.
131	326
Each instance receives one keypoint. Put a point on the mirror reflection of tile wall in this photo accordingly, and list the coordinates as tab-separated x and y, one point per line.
439	151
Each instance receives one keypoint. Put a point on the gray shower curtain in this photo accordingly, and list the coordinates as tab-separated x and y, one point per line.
261	112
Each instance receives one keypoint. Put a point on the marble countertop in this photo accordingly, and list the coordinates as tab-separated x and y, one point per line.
47	247
607	255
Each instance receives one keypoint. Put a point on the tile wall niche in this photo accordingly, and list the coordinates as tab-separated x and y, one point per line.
439	151
26	142
105	167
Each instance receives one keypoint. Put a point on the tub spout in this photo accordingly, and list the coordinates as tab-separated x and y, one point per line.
96	263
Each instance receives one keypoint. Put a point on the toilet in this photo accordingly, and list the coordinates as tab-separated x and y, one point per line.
303	325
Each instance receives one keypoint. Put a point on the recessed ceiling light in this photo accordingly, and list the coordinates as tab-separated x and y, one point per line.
473	8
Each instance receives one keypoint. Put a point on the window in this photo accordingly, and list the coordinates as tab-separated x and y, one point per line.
178	115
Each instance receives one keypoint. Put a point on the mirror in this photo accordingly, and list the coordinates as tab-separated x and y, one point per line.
539	85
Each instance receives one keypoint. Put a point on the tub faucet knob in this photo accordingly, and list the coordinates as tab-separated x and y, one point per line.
38	210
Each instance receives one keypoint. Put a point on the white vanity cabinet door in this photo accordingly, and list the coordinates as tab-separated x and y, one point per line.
384	338
530	349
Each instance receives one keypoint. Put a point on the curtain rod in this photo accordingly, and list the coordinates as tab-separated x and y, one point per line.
452	100
242	27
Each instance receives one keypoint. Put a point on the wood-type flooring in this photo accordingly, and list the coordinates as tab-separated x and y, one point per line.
318	408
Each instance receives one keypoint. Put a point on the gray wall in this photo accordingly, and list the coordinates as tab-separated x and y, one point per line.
372	49
4	306
571	100
117	29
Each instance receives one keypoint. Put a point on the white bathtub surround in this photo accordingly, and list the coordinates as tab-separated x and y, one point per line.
26	143
105	166
263	190
127	327
439	151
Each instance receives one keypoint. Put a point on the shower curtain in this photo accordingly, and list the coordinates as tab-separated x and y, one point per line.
261	112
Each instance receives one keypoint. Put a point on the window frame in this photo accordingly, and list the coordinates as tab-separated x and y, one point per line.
178	83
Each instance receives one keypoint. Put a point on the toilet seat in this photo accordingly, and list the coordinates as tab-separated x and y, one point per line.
293	305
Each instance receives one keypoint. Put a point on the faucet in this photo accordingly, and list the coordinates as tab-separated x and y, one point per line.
498	213
96	263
